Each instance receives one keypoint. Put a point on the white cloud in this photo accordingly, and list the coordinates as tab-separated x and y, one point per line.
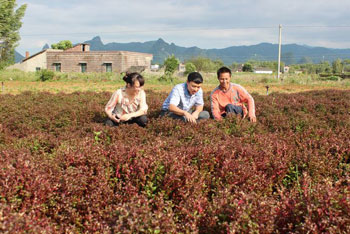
202	23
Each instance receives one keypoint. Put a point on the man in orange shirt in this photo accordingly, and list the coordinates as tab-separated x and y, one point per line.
229	98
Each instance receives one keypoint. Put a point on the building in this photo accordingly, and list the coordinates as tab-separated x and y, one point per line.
286	69
263	71
81	59
155	67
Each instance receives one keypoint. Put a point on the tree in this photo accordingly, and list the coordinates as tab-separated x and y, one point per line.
62	45
190	67
10	23
247	67
337	66
206	64
170	64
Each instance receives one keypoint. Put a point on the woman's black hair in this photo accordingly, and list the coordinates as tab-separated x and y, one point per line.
130	78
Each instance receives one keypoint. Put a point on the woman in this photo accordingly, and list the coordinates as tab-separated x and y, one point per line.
128	104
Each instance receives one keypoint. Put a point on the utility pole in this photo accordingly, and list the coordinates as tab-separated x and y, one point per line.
279	52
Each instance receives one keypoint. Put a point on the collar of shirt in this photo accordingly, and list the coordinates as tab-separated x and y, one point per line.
188	93
227	89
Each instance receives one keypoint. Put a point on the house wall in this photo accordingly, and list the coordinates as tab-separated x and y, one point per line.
121	61
130	59
31	64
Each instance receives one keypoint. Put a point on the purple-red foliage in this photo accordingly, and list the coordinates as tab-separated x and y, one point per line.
62	170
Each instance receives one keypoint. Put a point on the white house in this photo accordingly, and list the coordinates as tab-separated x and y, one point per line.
263	71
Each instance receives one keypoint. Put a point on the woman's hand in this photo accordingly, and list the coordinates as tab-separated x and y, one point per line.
125	117
115	118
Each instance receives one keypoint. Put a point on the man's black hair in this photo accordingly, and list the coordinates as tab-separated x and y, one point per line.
223	70
195	77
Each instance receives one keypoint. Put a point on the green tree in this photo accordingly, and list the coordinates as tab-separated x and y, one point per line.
170	64
337	66
62	45
190	67
10	23
247	67
206	64
346	65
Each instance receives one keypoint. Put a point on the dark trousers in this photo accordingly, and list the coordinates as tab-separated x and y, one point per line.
202	115
232	109
140	120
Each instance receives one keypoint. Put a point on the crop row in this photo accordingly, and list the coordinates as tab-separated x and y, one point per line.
62	170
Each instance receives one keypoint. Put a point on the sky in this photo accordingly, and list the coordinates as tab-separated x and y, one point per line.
206	24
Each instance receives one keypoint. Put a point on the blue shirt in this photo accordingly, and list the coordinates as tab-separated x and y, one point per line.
180	97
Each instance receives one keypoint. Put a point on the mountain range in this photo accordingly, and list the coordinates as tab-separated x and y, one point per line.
291	53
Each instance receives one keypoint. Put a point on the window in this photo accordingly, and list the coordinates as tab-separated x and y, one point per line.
83	67
108	67
37	68
57	67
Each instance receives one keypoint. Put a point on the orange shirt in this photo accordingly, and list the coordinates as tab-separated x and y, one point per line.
236	95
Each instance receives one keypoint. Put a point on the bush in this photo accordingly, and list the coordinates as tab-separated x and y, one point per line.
190	67
45	75
65	172
171	64
331	78
247	67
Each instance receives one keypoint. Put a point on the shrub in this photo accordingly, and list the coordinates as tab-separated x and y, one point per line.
190	67
331	78
247	67
45	75
63	171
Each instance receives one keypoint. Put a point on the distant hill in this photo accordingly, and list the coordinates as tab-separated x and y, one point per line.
291	53
18	57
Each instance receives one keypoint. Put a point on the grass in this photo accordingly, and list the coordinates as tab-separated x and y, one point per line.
15	82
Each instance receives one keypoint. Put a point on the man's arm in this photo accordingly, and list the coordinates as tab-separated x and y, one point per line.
215	110
247	98
176	110
197	110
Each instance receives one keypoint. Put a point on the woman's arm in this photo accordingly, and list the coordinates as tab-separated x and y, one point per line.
111	105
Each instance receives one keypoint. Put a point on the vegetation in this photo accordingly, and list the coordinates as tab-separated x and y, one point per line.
190	67
171	64
203	64
247	67
62	45
45	75
10	23
62	171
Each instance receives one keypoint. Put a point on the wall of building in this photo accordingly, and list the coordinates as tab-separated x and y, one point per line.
96	60
31	64
130	59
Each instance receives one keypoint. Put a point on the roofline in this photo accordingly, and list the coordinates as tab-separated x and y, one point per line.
40	52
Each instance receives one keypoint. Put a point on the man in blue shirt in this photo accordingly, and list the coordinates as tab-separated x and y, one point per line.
183	97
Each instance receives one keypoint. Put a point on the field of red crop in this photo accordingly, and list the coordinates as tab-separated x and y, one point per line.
62	171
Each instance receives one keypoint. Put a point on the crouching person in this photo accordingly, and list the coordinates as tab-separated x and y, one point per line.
229	98
128	104
179	103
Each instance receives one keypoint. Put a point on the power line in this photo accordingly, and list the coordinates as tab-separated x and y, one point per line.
150	30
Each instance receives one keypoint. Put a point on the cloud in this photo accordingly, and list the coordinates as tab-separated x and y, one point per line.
202	23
